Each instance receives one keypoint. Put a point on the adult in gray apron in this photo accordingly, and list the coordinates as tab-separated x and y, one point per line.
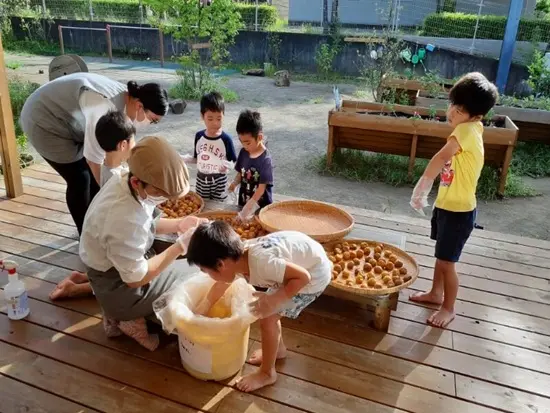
54	122
120	227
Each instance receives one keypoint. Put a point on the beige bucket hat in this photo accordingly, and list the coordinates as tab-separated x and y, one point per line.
154	161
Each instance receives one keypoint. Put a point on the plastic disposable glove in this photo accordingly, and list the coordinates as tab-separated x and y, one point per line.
190	222
266	304
185	237
226	166
188	158
233	192
248	211
419	198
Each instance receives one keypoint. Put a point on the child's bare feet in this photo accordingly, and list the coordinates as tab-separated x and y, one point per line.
256	358
256	380
79	277
68	288
427	298
441	318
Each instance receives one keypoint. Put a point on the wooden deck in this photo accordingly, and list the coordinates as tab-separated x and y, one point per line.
494	357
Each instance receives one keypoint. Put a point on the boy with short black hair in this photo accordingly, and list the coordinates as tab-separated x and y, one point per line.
460	163
294	268
213	150
115	134
254	165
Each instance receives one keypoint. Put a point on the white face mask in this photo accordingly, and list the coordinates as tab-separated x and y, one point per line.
140	124
154	200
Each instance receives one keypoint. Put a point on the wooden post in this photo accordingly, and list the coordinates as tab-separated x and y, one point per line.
412	156
330	146
161	45
504	172
8	144
109	43
61	44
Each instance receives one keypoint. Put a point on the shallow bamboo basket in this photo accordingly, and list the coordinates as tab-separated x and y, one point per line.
408	262
229	217
322	222
193	195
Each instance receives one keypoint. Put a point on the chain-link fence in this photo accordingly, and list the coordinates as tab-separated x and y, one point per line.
466	26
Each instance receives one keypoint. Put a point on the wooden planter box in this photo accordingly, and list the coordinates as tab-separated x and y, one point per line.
410	88
533	124
364	126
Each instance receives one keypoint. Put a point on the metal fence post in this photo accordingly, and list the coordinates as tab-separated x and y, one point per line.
61	45
508	44
109	43
256	17
472	46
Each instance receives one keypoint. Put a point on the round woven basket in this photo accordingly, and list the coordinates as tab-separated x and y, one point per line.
322	222
224	215
408	262
194	195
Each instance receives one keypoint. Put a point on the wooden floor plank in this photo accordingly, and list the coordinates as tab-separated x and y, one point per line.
479	237
487	393
91	330
141	374
358	384
482	329
38	237
305	368
27	221
39	192
80	386
17	397
315	322
38	252
32	173
60	206
34	211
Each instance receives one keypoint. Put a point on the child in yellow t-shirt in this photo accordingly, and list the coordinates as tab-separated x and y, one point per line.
459	162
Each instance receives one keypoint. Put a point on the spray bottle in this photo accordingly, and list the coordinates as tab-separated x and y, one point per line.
15	292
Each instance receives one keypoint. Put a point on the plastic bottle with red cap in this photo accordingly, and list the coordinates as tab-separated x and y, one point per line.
15	292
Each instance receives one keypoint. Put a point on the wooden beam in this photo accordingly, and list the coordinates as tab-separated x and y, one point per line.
8	144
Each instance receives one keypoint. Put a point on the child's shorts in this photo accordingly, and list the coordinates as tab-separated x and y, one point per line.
451	230
297	304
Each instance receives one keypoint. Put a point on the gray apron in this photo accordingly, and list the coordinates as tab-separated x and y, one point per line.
123	303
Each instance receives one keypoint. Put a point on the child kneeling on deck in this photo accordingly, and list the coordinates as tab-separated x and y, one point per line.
294	268
460	163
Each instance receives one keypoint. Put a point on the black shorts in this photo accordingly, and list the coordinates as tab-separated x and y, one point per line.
451	230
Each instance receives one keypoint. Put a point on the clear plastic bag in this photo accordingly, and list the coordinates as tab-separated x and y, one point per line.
210	348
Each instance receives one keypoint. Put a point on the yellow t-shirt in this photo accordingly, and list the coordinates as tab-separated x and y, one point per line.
457	188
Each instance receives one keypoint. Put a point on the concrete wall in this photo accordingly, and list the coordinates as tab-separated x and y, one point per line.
297	51
376	12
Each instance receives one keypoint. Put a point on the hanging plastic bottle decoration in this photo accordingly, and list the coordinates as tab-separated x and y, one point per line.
337	100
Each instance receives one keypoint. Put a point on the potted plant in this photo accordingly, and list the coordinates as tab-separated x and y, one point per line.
412	131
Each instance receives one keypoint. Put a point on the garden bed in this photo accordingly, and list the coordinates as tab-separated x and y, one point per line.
407	90
533	124
413	132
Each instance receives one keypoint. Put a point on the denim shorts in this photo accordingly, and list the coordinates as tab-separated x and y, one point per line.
297	304
451	230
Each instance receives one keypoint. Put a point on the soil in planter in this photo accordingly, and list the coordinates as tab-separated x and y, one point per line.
496	123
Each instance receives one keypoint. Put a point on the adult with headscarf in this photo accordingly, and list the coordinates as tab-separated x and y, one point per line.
59	120
118	233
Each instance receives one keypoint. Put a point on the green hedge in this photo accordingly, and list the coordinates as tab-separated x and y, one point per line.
490	27
127	11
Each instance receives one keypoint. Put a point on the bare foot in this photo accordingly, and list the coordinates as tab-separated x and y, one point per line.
426	298
441	318
256	358
79	277
257	380
68	289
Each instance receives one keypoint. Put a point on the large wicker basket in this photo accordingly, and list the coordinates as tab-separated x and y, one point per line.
322	222
408	262
190	195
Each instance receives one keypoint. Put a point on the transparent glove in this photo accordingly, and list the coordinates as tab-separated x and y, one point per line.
419	198
184	239
226	166
190	222
233	192
248	211
188	158
266	304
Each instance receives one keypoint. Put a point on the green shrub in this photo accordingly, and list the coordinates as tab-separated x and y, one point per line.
128	11
490	27
20	90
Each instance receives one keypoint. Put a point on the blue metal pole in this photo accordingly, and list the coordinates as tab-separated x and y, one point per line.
508	43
